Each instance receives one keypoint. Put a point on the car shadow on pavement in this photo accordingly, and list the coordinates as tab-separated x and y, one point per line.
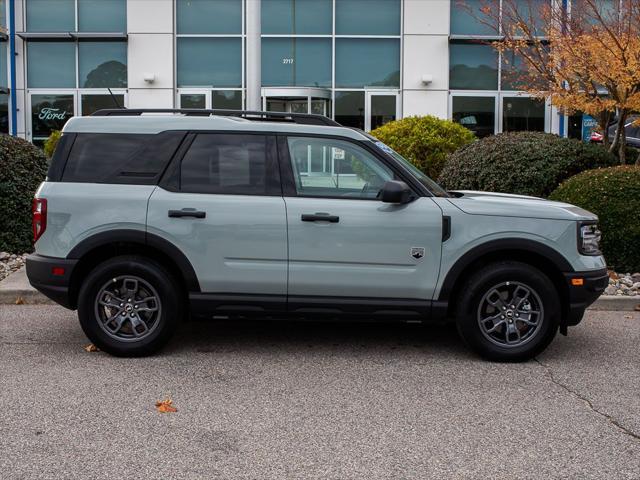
217	335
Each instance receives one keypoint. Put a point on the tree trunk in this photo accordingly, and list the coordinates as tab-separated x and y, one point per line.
617	137
622	149
605	118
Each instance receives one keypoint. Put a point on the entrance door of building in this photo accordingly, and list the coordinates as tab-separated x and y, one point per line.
380	107
297	100
48	111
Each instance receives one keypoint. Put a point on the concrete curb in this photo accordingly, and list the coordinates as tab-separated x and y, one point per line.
15	289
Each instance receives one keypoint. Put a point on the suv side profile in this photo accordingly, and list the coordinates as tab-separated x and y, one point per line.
149	217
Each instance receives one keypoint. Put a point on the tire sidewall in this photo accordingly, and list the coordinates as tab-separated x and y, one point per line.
479	285
147	270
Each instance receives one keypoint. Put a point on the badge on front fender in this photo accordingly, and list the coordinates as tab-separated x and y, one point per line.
417	252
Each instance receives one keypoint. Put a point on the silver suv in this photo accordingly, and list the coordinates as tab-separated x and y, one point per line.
150	217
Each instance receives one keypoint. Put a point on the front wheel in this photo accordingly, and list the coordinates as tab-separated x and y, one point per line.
508	311
129	306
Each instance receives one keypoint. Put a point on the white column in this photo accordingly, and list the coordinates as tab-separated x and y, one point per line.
254	57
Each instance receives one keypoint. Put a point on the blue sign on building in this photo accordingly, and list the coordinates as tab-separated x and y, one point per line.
589	124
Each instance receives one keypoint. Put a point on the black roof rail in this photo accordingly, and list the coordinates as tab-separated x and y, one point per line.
301	118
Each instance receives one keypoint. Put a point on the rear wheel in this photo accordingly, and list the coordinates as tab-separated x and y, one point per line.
508	311
129	306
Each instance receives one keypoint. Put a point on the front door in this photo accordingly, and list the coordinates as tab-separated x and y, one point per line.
49	111
224	210
381	106
343	242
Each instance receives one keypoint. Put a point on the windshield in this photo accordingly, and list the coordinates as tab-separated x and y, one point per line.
433	187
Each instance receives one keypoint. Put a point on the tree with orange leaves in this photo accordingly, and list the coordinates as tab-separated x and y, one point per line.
584	59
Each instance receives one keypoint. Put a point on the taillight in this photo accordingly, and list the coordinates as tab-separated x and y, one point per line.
39	219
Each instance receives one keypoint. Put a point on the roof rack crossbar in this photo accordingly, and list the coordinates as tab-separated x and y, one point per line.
301	118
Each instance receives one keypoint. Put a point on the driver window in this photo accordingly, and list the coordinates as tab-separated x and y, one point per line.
325	167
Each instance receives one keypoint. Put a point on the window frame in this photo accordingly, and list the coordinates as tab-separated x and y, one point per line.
171	179
287	174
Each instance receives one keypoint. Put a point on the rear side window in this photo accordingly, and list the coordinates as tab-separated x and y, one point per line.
112	158
234	164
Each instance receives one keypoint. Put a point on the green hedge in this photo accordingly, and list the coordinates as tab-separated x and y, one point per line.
528	163
22	168
614	195
424	141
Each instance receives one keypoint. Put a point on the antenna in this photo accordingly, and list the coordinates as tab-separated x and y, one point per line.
114	99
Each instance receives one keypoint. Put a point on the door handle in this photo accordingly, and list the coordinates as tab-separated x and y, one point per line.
187	212
320	217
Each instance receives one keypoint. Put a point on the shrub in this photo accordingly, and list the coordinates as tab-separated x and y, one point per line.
22	168
614	195
51	143
528	163
424	141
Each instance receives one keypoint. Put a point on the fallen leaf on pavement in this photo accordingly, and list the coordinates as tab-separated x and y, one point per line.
637	309
628	316
91	348
19	301
166	406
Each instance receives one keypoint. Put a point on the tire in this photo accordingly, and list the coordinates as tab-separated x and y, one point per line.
490	326
127	286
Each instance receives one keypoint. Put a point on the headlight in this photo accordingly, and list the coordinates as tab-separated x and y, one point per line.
589	239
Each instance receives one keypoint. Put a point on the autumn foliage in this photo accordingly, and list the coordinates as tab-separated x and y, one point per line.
586	59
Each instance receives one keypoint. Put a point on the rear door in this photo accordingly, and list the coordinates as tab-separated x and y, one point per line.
343	241
222	206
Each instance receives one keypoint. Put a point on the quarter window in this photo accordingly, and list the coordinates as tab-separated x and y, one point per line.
233	164
325	167
110	158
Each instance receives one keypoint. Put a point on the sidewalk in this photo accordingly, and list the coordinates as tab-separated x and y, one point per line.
16	289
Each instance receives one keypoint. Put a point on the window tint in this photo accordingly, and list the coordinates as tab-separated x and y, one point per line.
364	62
368	17
206	61
111	158
324	167
230	164
309	17
473	67
102	15
296	61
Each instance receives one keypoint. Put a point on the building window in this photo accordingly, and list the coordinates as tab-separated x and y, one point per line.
473	67
297	17
227	99
92	15
368	17
92	102
362	62
523	114
210	61
218	17
51	15
349	108
102	15
296	62
193	100
102	64
478	114
468	19
49	112
51	64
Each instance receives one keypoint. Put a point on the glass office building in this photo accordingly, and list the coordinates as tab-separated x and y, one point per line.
361	62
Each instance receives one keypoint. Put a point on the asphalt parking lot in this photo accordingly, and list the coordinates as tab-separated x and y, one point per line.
282	400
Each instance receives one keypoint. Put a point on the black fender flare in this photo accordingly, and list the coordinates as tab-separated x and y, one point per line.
143	238
504	244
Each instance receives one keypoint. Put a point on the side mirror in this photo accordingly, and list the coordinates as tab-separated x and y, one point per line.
395	191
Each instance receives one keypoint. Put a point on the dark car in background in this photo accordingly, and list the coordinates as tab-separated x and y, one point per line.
631	130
